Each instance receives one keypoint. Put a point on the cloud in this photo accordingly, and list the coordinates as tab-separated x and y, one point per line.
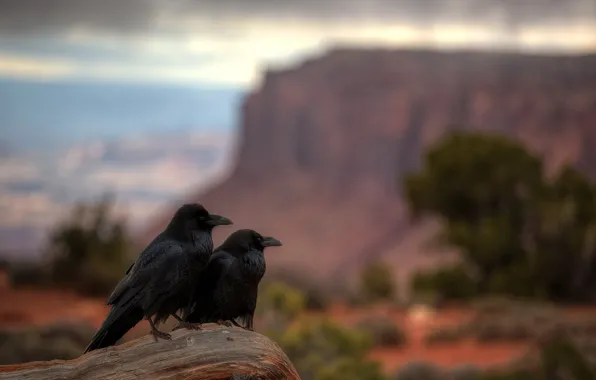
15	169
26	67
25	17
144	172
227	42
140	16
35	209
219	60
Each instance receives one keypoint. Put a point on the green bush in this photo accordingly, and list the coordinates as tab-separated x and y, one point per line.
448	283
504	330
514	375
384	332
316	299
348	369
355	299
29	275
419	371
502	319
89	251
323	350
520	230
377	282
281	298
58	341
317	295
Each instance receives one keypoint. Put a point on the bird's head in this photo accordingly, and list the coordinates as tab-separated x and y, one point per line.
245	240
196	215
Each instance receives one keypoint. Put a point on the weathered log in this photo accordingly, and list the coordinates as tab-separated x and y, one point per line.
212	354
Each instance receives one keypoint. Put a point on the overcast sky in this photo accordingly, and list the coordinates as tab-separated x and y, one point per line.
225	42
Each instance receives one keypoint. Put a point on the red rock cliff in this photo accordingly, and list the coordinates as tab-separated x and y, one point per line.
324	144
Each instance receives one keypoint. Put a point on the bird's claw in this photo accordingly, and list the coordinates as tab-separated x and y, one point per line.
188	326
160	334
221	322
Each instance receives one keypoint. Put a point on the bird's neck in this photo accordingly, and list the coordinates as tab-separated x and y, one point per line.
253	265
201	240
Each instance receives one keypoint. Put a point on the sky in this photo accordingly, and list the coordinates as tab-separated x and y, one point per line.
141	97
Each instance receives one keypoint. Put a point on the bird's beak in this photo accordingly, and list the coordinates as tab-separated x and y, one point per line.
269	241
218	220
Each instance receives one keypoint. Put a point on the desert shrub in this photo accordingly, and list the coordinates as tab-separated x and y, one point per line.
355	298
278	305
560	353
316	299
445	335
448	283
464	372
510	319
383	331
513	375
492	305
58	341
489	190
323	350
316	294
504	330
377	282
348	369
430	299
281	298
419	370
585	327
28	274
500	319
89	251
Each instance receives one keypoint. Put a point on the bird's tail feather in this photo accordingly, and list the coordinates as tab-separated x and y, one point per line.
117	323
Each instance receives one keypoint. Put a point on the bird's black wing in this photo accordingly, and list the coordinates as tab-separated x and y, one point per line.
171	282
147	256
129	268
145	271
128	297
207	291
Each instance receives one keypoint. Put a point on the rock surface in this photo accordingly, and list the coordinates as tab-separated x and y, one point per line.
323	144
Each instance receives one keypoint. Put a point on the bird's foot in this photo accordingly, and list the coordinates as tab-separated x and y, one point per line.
160	334
188	326
221	322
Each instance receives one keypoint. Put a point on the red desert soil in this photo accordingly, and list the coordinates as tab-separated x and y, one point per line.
33	307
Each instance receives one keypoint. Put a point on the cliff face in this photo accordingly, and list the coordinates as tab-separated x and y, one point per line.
323	145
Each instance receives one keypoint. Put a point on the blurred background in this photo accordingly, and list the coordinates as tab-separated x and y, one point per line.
429	166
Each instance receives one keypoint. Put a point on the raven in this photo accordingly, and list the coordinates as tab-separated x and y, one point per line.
228	287
160	282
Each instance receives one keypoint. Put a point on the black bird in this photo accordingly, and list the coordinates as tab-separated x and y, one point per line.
162	279
228	287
